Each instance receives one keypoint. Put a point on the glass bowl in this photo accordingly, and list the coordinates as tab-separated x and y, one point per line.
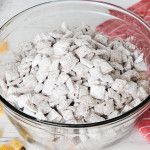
48	16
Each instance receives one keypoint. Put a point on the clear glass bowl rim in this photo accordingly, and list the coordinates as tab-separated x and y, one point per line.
102	123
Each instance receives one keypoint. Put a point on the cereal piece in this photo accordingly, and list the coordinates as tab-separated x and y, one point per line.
31	107
43	47
48	87
39	115
131	88
104	66
26	46
68	34
97	45
81	42
101	38
39	37
54	116
61	47
72	73
77	33
97	91
129	64
97	61
41	75
124	50
91	82
54	64
99	109
20	90
83	91
141	93
11	75
73	94
124	58
67	115
141	66
44	107
56	100
12	98
85	37
62	78
114	95
43	37
79	82
129	45
86	29
36	60
28	112
126	108
68	62
37	99
55	35
106	96
116	43
29	81
139	58
108	107
116	74
81	70
43	69
60	91
92	118
49	84
87	100
116	56
63	105
130	74
70	85
136	54
107	79
144	84
34	70
86	62
73	48
3	85
23	99
82	111
135	102
113	114
95	73
116	66
89	56
15	82
38	88
103	53
118	85
127	99
83	51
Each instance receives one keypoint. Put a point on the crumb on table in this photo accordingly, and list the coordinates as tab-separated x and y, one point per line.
3	46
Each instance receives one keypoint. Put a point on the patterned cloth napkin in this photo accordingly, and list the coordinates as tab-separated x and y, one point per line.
115	28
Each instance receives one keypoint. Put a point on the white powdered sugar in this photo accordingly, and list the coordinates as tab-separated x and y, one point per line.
76	76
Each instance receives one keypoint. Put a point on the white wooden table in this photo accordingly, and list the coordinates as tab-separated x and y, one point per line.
8	8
